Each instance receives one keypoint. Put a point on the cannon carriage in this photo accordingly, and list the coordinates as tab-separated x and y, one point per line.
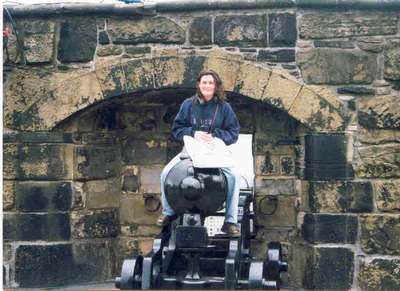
190	253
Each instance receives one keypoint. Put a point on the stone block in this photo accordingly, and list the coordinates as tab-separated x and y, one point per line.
281	91
38	40
37	161
328	228
97	162
43	196
273	128
316	112
78	40
380	112
8	194
7	252
150	178
356	90
380	161
276	56
282	29
371	44
133	210
348	24
63	264
336	66
275	211
39	137
340	196
329	268
387	194
377	137
241	30
251	80
343	44
144	152
29	227
109	50
267	164
268	186
102	193
95	223
137	50
104	38
379	274
138	74
391	59
200	31
380	234
145	30
130	183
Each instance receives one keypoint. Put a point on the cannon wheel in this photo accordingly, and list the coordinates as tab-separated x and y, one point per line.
256	271
131	274
273	266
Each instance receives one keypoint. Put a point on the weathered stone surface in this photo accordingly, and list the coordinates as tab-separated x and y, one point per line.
268	186
138	74
8	194
387	194
38	137
245	116
63	264
78	40
111	78
277	56
392	60
371	44
282	29
96	162
7	252
38	40
335	25
104	38
43	196
130	183
281	91
110	50
343	44
379	161
267	164
379	136
144	152
380	234
145	30
241	30
94	223
102	193
133	210
329	268
37	161
356	90
340	196
150	178
29	227
251	80
170	71
137	51
335	66
145	119
316	112
379	274
381	112
327	228
275	211
200	31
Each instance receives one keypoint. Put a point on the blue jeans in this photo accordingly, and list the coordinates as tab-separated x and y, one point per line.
232	199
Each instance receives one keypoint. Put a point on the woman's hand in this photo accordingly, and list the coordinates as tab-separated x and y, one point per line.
201	135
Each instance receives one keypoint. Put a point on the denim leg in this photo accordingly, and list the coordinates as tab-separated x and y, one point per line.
167	210
232	199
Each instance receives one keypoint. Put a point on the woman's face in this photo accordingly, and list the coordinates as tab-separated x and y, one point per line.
207	87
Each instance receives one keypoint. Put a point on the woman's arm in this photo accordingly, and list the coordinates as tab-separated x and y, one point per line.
182	125
229	132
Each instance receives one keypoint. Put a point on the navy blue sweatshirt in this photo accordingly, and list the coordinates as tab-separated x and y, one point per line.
198	116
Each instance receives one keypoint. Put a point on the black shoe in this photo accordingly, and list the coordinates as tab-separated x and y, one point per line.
231	229
163	220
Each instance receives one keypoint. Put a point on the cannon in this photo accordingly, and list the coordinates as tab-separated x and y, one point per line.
190	253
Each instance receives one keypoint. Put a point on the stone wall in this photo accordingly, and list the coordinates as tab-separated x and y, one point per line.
87	112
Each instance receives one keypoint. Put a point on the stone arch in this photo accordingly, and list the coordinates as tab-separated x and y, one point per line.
58	95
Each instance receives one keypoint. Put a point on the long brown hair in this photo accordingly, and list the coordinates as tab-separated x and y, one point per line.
219	87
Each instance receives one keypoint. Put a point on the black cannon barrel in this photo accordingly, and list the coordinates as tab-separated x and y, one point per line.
193	189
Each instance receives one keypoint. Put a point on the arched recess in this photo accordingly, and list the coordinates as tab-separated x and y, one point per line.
39	100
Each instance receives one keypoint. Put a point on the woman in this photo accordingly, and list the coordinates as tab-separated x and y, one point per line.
204	116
